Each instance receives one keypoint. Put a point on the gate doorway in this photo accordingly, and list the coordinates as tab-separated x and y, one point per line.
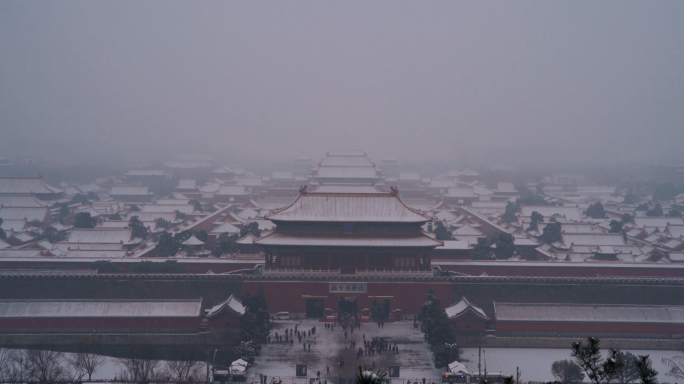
380	309
314	308
347	307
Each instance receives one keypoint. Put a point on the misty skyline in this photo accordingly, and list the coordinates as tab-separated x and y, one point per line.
524	81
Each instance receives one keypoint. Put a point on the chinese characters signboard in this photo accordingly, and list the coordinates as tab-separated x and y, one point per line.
347	287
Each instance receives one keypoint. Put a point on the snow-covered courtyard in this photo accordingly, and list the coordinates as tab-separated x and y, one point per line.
280	359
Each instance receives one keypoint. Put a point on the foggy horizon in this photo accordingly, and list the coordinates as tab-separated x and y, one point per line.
523	82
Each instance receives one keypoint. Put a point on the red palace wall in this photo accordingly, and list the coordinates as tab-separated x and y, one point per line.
291	296
553	269
586	328
110	323
198	267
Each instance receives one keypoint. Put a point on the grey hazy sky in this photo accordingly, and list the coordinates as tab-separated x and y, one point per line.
269	80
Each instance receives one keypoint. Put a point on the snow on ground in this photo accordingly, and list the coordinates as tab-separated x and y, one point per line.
280	360
535	364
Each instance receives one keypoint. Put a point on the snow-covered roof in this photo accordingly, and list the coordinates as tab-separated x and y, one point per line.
144	172
28	213
347	172
169	201
346	188
593	239
248	213
100	235
13	225
594	313
660	222
231	303
247	240
457	367
193	241
231	190
346	161
225	228
454	244
130	191
99	308
461	192
356	240
570	213
26	185
159	208
20	200
467	230
462	306
505	187
85	188
378	207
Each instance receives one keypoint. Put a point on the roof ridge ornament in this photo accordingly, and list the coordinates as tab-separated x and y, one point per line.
302	190
394	191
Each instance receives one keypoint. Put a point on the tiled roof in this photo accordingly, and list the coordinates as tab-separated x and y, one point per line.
399	239
26	185
20	213
594	313
100	235
130	191
99	308
21	200
380	207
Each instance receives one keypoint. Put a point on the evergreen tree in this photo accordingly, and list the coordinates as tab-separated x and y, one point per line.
438	328
509	216
626	218
441	232
596	211
615	226
629	198
647	374
252	228
255	324
657	211
63	212
666	192
138	228
535	218
483	250
84	220
551	233
115	216
197	204
225	244
202	236
642	207
164	224
105	266
598	369
3	235
505	246
167	246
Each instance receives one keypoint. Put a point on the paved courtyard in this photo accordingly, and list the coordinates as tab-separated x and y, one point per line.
279	359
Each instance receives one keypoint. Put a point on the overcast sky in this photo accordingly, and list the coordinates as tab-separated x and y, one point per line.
269	80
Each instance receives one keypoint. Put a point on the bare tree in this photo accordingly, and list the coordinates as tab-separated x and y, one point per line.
45	366
676	365
14	366
183	366
140	363
84	362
